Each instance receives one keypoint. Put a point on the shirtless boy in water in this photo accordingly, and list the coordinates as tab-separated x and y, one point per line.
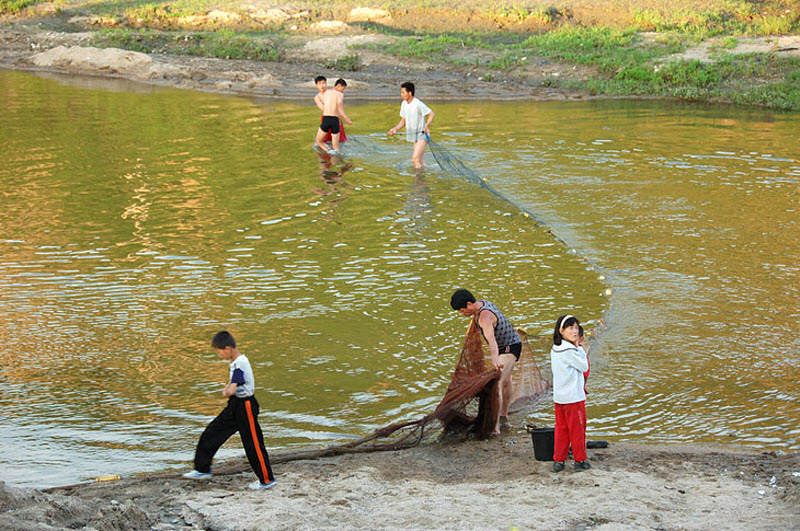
322	85
332	109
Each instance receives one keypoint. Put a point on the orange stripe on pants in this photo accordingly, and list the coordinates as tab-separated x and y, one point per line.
256	442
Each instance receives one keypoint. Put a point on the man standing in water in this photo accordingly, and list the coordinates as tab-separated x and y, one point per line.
417	118
504	343
332	109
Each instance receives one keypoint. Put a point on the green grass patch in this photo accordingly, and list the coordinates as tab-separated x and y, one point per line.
12	7
775	25
611	50
223	44
730	18
433	46
756	79
729	43
784	95
508	61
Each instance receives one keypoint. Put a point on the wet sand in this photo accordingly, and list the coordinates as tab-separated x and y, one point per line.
493	484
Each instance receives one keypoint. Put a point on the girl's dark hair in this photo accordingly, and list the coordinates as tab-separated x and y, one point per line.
223	339
559	325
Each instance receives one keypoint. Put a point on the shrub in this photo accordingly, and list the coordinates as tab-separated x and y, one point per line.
349	63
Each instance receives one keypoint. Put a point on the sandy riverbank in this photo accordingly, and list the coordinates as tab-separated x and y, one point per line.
493	484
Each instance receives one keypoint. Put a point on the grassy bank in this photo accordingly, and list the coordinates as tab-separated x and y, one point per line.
626	62
630	49
700	17
223	44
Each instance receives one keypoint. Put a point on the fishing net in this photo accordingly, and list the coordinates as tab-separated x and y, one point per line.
469	406
453	166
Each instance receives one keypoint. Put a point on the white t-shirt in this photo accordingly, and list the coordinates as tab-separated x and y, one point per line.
242	374
414	113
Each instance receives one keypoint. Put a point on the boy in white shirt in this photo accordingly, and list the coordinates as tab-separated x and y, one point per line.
416	117
240	414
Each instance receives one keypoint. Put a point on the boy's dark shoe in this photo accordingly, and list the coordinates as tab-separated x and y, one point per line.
582	465
558	466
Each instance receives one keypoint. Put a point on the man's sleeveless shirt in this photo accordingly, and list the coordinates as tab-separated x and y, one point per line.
504	332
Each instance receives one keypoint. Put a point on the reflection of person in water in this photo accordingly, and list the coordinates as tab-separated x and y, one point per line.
334	189
328	169
418	201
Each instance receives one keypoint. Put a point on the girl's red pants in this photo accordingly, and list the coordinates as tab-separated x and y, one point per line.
570	430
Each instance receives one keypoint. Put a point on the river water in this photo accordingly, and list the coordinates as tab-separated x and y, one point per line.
136	222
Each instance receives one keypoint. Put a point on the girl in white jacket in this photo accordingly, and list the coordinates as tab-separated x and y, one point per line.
569	362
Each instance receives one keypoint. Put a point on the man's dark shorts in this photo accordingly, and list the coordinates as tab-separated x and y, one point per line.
330	124
515	349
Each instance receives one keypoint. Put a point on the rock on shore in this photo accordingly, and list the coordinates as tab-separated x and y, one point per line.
102	61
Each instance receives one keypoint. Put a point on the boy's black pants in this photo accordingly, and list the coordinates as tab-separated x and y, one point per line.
241	414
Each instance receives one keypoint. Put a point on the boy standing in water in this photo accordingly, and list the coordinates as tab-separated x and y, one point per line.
332	109
417	118
241	414
322	85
